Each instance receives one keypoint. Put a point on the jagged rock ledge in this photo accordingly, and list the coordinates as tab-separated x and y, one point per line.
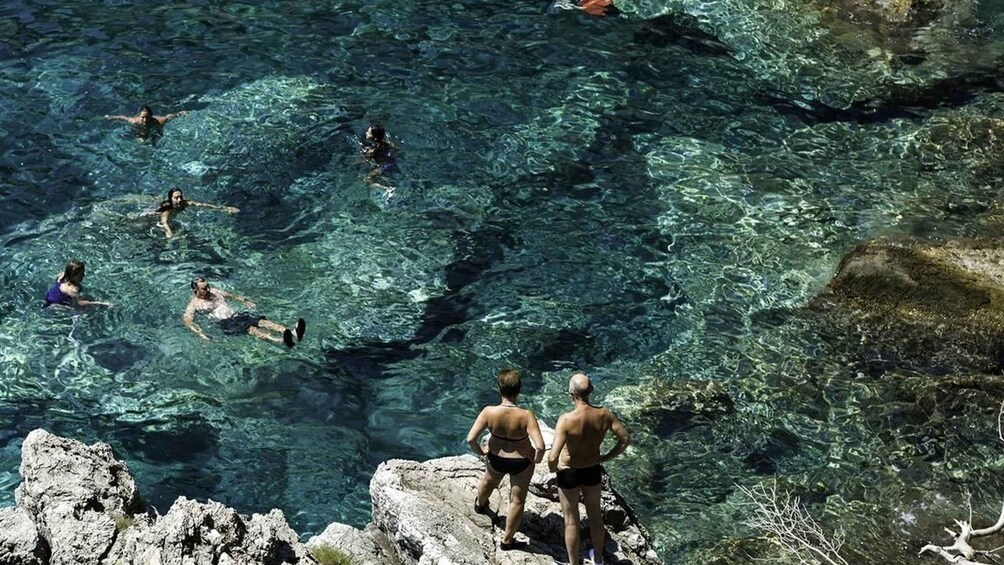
78	505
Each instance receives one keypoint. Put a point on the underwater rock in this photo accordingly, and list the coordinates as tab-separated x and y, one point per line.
667	406
912	12
932	303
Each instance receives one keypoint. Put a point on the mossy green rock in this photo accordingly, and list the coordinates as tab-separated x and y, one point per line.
941	304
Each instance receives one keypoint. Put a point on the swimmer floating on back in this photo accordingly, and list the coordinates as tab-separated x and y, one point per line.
176	202
213	301
146	123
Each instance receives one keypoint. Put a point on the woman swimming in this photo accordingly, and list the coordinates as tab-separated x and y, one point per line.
66	290
380	151
176	202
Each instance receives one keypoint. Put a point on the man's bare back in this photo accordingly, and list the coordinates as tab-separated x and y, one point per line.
584	429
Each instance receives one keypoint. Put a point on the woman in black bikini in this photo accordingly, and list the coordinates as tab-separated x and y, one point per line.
510	452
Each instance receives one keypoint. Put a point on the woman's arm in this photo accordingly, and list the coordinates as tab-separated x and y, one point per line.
227	209
472	436
536	438
169	117
165	223
120	118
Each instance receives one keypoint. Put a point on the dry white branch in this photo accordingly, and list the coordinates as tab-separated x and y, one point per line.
961	552
787	523
1000	422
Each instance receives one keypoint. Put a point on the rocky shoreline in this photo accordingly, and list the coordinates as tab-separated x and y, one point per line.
79	505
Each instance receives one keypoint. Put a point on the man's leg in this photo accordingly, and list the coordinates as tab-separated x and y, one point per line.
261	334
270	325
570	509
597	534
518	487
286	339
287	334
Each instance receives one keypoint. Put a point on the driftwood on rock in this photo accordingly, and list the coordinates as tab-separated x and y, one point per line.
961	552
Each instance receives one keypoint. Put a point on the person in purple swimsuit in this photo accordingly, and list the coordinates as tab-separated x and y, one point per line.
66	290
510	452
575	456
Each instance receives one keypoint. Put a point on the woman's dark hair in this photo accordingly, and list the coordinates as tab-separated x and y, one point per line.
196	281
509	383
378	133
74	271
147	108
167	205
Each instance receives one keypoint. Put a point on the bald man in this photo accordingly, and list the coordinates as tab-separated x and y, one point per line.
575	457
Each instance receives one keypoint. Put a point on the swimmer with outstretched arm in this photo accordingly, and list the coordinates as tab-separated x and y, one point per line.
176	203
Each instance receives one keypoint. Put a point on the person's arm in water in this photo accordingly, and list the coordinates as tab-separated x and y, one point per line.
74	293
227	209
165	222
164	119
129	119
536	438
189	318
247	302
472	436
83	302
623	438
560	437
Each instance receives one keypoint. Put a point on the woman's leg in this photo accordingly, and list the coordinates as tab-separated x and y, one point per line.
519	485
489	482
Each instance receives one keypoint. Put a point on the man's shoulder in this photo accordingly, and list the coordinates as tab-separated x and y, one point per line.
563	419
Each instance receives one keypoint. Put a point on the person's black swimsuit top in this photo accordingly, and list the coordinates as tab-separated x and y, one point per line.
503	438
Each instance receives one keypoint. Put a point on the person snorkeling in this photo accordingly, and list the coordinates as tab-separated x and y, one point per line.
146	123
176	203
66	290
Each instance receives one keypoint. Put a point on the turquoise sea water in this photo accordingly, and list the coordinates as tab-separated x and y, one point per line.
650	198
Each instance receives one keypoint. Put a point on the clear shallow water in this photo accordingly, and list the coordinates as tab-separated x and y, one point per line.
572	193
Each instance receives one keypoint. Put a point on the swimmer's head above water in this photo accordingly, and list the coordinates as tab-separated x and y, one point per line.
146	115
375	133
